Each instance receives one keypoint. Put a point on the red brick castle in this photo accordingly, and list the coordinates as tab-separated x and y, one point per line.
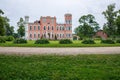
48	28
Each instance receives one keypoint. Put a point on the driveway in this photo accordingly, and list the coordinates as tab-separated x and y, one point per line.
59	51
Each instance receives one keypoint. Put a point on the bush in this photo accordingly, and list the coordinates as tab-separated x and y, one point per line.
2	39
9	38
89	41
108	41
20	41
42	41
65	41
118	41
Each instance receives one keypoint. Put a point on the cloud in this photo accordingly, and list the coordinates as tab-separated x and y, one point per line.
15	9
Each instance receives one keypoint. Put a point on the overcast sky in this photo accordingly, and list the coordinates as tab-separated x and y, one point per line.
14	9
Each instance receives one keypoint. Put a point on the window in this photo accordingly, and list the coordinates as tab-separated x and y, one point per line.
52	27
44	19
34	35
44	35
69	28
30	35
69	21
60	35
38	35
44	27
38	27
62	28
30	27
69	35
57	35
52	20
48	27
52	35
34	27
57	28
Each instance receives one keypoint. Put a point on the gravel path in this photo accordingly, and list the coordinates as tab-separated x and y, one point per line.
59	51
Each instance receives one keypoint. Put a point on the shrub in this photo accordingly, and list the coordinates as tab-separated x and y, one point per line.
108	41
9	38
20	41
42	41
118	41
2	39
65	41
89	41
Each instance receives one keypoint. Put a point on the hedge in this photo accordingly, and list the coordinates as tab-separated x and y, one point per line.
89	41
20	41
65	41
2	39
42	41
108	41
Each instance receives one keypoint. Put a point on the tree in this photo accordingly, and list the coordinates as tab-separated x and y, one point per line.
88	26
9	30
15	35
5	28
21	29
2	24
110	15
118	26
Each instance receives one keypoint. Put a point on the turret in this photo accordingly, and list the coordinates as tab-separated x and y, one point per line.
26	27
68	18
26	19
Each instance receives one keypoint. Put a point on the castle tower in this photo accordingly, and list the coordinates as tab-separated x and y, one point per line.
26	26
68	27
68	19
26	19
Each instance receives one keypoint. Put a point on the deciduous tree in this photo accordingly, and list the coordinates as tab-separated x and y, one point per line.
21	29
110	15
88	26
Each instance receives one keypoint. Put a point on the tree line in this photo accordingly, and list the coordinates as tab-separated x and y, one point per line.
88	26
7	30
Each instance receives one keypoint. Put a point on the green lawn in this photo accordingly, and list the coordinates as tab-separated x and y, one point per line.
54	67
56	44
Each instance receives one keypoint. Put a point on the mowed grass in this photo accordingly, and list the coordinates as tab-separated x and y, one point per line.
56	44
54	67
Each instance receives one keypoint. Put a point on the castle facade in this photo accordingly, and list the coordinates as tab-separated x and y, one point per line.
48	28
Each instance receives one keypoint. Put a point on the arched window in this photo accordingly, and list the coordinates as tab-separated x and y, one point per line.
30	27
60	35
63	35
60	27
34	27
38	35
57	28
44	35
44	27
69	28
48	27
52	28
38	27
52	35
30	35
57	35
69	35
34	35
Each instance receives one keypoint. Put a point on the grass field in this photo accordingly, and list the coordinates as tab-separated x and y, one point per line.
56	44
54	67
